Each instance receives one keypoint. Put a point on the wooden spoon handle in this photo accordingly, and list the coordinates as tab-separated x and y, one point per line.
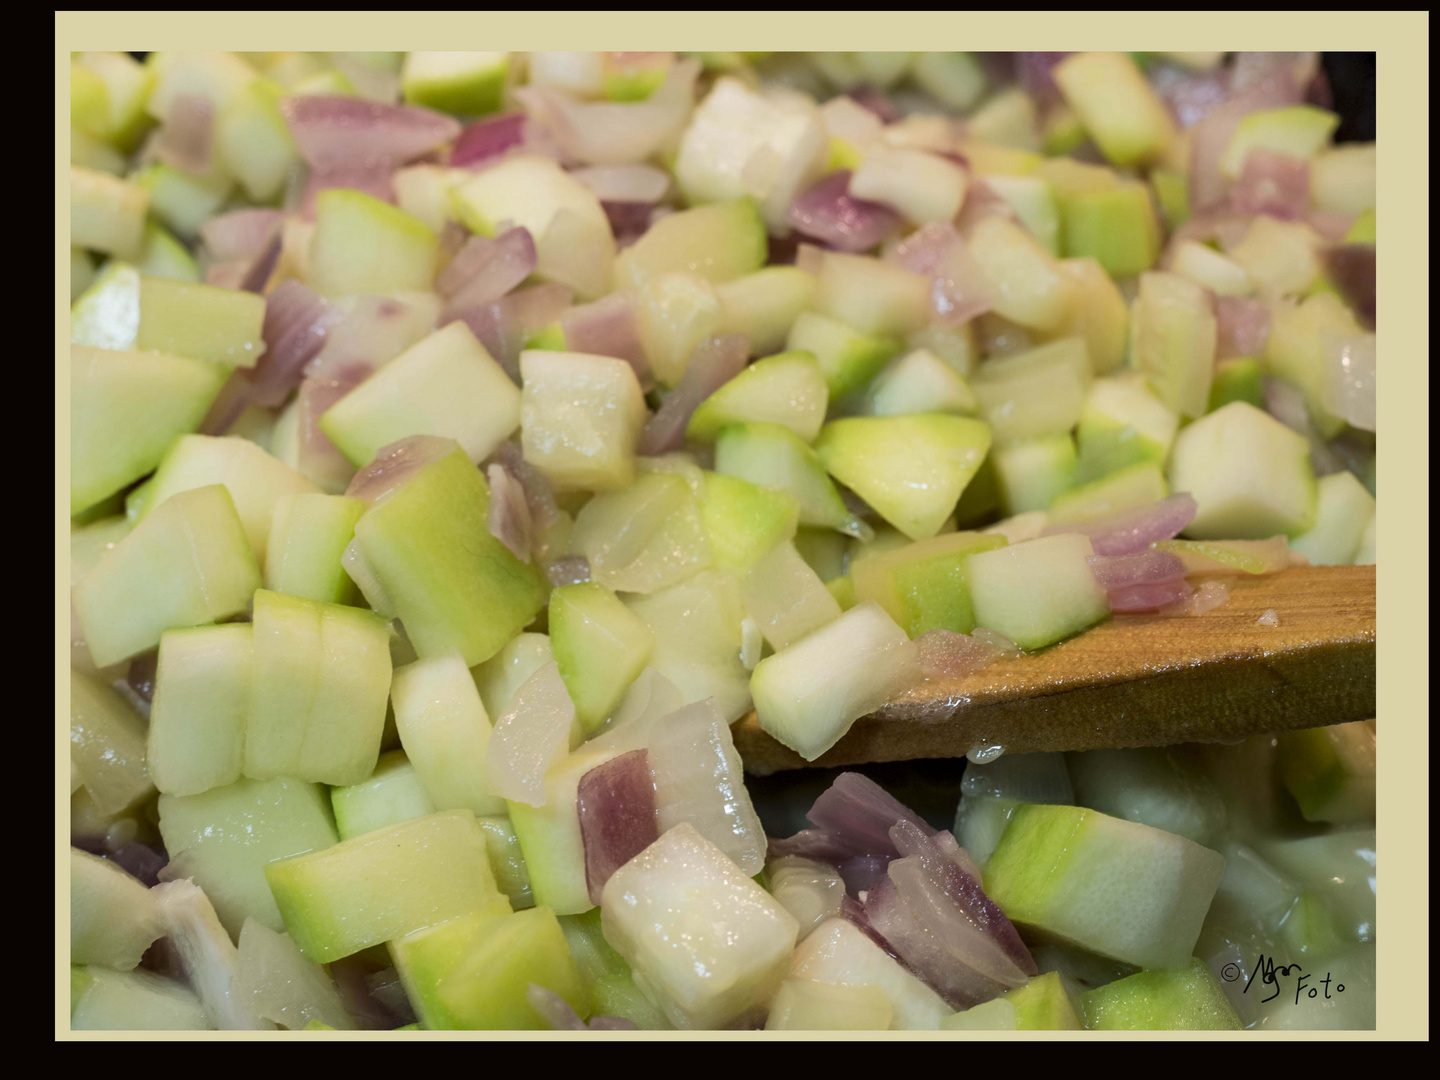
1140	681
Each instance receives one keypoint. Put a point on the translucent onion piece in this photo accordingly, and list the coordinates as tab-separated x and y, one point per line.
1207	597
1147	567
946	654
649	701
206	954
533	733
282	985
633	184
1151	596
616	803
953	956
700	779
1350	389
998	641
809	889
1129	531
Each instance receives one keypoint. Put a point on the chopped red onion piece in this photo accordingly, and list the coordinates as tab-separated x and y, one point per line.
614	133
243	247
853	912
187	136
1273	184
568	570
960	289
860	811
872	100
396	463
1191	95
609	327
539	495
1352	268
618	817
827	212
484	270
1135	529
504	325
333	132
1035	71
1149	596
240	234
630	220
952	868
936	939
487	139
297	321
1148	567
508	518
1250	91
946	654
714	363
1242	327
229	404
861	872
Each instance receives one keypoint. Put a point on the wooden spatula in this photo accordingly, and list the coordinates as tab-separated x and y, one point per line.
1140	681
